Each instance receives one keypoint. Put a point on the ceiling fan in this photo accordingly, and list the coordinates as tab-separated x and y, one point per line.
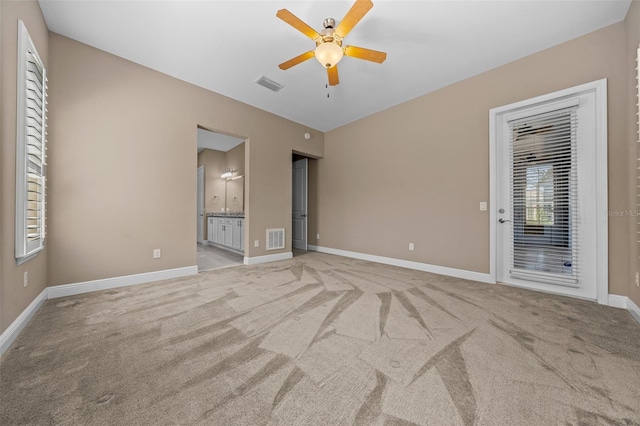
329	49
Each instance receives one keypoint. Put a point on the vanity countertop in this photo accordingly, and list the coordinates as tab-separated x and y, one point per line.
226	214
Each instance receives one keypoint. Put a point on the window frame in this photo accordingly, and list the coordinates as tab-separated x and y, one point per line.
26	246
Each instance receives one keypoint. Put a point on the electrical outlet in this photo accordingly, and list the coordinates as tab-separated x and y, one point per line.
410	246
637	279
156	253
256	243
26	278
317	236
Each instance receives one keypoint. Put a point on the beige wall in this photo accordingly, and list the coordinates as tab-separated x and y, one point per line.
235	159
632	26
124	158
415	173
14	298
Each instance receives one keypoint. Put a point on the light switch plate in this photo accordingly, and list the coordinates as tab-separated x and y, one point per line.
483	206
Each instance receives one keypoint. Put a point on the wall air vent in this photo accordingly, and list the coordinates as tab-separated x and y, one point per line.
275	239
269	84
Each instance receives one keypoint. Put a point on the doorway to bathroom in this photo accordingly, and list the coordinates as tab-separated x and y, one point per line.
220	212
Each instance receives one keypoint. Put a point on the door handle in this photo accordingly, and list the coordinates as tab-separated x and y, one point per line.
503	220
303	215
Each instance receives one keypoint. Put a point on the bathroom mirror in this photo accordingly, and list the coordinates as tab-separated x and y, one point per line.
234	200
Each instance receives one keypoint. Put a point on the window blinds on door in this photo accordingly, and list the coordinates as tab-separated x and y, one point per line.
544	202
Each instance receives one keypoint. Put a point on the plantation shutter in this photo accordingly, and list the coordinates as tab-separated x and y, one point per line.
544	202
638	156
30	149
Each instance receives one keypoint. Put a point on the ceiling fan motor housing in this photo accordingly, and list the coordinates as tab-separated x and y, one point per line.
328	35
329	23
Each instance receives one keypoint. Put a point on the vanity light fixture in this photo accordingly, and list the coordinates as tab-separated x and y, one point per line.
227	173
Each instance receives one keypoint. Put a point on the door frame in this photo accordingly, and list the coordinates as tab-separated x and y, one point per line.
306	204
200	195
599	87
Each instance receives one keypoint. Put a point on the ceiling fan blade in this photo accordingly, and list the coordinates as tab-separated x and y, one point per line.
297	23
333	75
295	61
366	54
353	16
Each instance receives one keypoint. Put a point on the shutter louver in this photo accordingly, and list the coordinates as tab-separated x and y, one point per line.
544	204
30	149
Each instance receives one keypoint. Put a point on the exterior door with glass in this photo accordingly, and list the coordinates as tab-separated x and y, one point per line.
547	196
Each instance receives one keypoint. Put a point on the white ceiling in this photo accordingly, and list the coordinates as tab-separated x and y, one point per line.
217	141
225	46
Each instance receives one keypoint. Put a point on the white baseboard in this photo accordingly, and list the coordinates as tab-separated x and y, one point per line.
267	258
634	310
616	301
127	280
624	302
425	267
12	332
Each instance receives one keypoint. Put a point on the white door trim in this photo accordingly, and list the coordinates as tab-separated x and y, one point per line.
305	201
602	218
200	205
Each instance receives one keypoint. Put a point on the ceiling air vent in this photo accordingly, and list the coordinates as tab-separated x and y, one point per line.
269	84
275	239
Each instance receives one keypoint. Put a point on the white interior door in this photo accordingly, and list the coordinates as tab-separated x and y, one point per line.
549	196
299	204
200	206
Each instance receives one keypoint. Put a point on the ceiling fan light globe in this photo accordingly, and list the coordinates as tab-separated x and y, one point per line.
328	54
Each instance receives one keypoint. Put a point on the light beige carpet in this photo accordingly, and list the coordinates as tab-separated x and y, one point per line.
323	340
